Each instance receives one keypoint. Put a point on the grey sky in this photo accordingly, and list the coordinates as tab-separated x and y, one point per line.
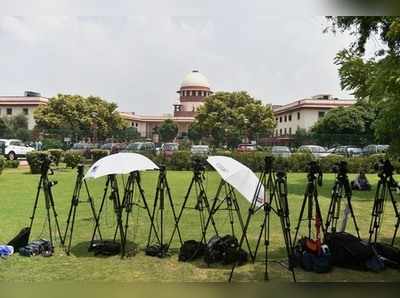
139	62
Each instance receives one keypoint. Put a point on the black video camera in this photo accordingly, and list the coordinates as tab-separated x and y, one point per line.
314	170
384	167
340	167
198	165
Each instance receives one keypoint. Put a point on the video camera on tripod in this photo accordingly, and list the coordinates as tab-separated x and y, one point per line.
340	167
384	167
315	172
198	165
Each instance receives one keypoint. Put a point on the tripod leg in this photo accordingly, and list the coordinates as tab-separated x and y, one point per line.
212	212
241	223
318	212
32	218
181	212
397	215
75	197
205	200
300	216
97	225
92	207
374	225
146	206
173	211
47	203
158	191
266	239
68	250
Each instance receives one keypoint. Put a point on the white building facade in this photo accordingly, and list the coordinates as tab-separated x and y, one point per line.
25	105
304	113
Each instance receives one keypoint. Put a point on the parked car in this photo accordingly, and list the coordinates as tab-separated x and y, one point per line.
113	147
168	149
374	149
348	151
281	151
14	148
141	147
246	147
200	150
315	150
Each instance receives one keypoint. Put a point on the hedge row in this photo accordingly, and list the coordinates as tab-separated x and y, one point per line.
2	164
182	160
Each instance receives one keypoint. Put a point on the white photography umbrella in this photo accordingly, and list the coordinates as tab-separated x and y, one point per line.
239	176
120	163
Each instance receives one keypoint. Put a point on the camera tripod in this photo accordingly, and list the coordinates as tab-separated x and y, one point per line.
202	205
46	185
159	203
385	189
127	206
341	188
232	206
274	188
74	205
314	177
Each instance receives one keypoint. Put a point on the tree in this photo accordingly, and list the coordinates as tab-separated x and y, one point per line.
79	117
15	127
301	137
126	134
168	131
376	79
194	133
228	117
343	126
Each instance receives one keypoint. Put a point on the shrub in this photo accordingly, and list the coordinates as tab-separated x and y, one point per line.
52	144
56	154
327	163
2	164
35	159
98	154
180	160
72	158
298	161
12	164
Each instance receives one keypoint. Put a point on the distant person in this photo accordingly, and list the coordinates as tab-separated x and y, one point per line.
361	182
39	145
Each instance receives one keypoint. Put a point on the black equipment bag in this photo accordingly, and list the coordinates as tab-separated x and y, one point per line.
105	248
156	250
224	250
21	239
190	250
390	254
350	252
38	247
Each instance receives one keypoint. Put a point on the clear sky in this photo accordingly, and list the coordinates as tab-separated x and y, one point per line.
139	62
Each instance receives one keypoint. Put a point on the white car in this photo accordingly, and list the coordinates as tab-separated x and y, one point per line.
14	148
200	150
315	150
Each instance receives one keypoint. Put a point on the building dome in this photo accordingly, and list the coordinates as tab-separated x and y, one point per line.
195	79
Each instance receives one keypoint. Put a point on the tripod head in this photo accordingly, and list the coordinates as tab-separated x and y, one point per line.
340	169
384	168
199	166
314	172
280	172
80	168
268	163
45	165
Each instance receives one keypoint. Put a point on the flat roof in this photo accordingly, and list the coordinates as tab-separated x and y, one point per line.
314	104
23	100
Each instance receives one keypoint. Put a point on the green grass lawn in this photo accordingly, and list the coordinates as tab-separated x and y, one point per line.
17	191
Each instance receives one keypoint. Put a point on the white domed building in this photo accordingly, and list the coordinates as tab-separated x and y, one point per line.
192	93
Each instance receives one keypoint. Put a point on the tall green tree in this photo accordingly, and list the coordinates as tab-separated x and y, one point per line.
343	126
227	117
79	117
377	78
194	133
168	131
15	127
